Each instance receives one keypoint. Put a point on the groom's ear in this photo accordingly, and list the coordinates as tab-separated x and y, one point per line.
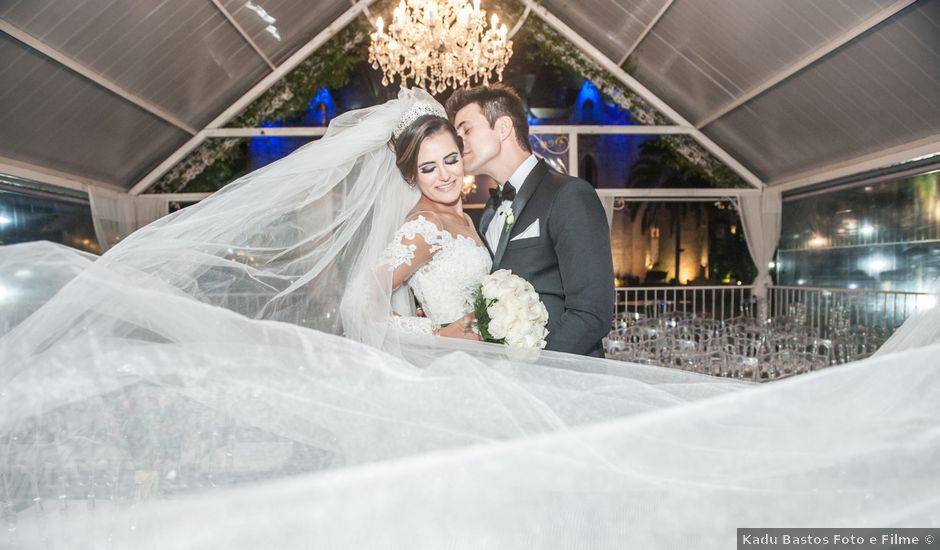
504	128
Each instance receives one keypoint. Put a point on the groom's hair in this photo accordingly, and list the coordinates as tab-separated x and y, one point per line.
495	100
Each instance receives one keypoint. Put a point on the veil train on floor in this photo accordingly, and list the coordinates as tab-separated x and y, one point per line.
192	389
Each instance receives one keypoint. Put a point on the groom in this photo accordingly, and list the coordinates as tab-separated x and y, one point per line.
546	227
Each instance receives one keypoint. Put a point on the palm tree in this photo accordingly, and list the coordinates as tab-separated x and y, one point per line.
657	169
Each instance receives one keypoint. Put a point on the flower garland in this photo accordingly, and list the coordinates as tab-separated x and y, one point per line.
554	49
209	166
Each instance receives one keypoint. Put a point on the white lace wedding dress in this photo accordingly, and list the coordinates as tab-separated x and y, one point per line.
444	271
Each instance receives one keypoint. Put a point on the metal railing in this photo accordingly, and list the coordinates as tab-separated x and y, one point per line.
824	309
714	330
718	303
830	311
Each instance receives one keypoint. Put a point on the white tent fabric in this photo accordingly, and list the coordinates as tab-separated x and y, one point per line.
117	215
760	216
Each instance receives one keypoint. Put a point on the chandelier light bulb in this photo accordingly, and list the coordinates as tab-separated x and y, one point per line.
438	44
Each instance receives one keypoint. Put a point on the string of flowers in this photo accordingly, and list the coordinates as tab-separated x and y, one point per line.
554	49
329	66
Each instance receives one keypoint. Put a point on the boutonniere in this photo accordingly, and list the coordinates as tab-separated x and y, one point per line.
505	210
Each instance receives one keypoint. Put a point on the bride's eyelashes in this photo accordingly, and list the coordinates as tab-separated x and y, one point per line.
450	160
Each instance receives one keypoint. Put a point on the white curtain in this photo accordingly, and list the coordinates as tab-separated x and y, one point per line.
117	215
760	216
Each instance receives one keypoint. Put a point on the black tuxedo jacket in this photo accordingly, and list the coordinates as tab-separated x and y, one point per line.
569	263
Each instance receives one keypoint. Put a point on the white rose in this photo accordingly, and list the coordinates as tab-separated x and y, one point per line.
501	275
497	330
543	314
488	289
527	286
505	293
493	282
500	317
516	330
521	286
532	341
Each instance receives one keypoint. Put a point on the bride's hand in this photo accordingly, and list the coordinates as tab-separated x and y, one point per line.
461	328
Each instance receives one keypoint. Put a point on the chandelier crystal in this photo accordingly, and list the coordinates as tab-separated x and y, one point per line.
440	44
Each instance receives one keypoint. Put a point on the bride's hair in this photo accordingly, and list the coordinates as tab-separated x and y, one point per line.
408	143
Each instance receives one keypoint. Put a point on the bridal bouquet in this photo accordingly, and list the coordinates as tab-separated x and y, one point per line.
508	311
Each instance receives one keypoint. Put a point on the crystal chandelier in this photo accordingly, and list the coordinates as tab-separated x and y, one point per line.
440	44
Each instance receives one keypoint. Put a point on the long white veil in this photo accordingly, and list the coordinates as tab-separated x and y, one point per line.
191	389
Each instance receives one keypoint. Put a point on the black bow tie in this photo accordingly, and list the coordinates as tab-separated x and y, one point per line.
505	193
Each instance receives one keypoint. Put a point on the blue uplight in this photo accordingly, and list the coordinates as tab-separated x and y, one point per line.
591	108
265	150
321	110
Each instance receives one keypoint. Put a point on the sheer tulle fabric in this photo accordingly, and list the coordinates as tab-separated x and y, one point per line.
191	389
923	328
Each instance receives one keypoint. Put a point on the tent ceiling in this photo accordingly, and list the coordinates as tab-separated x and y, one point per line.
785	86
875	84
54	118
881	90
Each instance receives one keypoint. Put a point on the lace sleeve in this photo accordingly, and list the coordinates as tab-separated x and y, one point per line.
413	246
411	325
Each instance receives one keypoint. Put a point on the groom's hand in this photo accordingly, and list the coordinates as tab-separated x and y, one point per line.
461	328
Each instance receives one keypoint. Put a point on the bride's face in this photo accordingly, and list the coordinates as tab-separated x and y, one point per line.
440	168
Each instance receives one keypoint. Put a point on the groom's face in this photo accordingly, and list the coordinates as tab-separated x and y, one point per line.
481	143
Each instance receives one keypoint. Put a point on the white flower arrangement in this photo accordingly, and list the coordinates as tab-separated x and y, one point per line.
508	311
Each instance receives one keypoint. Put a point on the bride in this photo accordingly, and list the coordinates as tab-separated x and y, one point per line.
437	251
193	388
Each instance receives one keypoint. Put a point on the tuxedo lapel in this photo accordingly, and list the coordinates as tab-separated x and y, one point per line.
529	187
485	219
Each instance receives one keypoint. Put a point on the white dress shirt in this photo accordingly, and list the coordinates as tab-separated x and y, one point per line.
518	177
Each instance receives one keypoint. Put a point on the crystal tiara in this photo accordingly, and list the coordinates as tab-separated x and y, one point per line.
416	112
